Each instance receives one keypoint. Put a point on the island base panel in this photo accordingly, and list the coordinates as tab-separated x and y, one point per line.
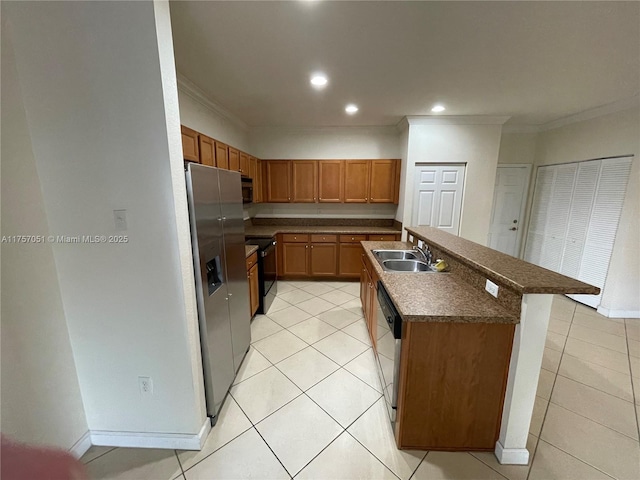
452	385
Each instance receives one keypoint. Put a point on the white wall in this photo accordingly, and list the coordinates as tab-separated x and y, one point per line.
325	143
517	147
92	83
609	135
460	141
200	114
41	400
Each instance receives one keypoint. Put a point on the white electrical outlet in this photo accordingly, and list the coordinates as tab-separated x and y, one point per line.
410	238
492	288
120	219
420	243
146	385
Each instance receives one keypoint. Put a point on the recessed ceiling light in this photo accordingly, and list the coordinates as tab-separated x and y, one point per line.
438	108
319	80
351	109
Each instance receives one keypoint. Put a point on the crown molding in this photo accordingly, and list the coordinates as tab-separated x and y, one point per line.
194	92
520	128
456	119
600	111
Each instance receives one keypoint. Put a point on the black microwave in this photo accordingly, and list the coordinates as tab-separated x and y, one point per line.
247	189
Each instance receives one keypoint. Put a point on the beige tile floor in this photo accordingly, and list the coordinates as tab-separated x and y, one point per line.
307	404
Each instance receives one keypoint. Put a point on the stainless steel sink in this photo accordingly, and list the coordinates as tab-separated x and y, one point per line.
414	266
396	254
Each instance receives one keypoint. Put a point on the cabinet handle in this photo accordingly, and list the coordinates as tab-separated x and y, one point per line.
352	238
311	246
306	246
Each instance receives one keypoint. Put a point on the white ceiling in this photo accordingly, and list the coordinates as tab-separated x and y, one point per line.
534	61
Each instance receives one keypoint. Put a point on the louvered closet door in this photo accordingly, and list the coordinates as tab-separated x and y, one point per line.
574	219
581	203
603	225
555	229
539	212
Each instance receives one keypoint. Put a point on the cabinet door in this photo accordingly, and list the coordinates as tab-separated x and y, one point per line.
253	290
278	181
207	153
294	259
190	144
234	160
383	180
258	183
244	164
350	262
222	155
356	181
304	185
253	170
324	259
364	286
331	181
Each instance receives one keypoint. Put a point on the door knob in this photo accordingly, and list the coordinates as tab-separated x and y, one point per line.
513	229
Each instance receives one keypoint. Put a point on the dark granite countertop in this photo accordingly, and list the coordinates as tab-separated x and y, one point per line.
523	277
436	297
271	230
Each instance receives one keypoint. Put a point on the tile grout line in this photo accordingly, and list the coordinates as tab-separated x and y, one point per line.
576	458
101	455
546	410
595	388
421	462
633	388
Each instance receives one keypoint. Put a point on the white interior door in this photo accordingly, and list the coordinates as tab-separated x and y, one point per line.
437	200
509	199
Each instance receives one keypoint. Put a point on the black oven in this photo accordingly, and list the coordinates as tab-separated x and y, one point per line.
267	271
247	189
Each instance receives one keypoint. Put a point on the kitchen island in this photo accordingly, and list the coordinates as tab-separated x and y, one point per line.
470	361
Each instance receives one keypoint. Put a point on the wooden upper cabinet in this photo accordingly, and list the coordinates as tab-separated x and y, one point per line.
383	181
304	184
330	184
222	156
278	181
244	164
356	181
207	150
258	183
234	159
190	150
253	170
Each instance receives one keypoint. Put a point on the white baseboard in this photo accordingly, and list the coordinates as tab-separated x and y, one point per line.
152	440
81	446
618	313
511	456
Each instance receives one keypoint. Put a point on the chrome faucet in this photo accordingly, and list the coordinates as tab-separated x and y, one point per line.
426	253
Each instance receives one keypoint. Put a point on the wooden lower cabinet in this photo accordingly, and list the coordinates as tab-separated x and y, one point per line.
252	275
254	292
453	378
350	255
295	259
369	298
324	259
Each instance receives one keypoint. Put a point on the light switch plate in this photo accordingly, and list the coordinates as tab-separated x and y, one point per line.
120	219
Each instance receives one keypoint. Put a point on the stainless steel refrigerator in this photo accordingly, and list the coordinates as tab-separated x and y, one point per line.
217	233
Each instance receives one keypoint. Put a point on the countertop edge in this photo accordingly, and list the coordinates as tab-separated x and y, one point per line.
524	289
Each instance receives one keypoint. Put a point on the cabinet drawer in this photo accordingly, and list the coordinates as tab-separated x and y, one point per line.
295	237
352	238
387	237
324	238
252	260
